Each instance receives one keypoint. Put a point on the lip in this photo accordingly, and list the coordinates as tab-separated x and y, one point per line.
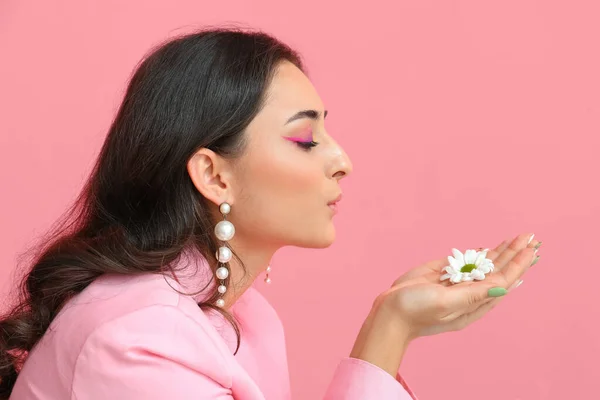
337	199
333	204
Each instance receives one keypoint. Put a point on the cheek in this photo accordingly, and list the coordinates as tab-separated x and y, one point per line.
282	194
287	178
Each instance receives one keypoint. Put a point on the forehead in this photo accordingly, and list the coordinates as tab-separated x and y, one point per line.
290	91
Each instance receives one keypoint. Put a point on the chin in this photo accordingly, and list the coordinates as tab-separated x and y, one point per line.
318	240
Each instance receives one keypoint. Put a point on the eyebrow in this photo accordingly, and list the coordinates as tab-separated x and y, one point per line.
312	114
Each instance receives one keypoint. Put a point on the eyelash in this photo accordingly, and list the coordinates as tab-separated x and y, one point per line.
307	145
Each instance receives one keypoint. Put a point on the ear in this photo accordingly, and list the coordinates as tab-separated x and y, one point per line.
211	175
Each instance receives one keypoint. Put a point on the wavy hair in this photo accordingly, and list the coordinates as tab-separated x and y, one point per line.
139	210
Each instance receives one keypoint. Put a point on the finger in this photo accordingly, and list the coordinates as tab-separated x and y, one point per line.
516	267
519	243
467	319
493	254
535	244
490	299
466	296
469	294
499	256
515	285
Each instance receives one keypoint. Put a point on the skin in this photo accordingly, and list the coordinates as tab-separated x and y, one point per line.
279	193
278	190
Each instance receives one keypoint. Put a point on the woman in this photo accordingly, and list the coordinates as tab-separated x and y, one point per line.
218	157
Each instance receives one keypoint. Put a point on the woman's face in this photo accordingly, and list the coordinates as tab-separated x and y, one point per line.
289	175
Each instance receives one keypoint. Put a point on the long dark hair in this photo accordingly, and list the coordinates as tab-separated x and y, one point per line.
139	210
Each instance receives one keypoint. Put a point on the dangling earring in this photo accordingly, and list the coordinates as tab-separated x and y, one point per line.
267	279
224	231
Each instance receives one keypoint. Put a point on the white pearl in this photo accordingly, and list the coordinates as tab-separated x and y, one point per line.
268	269
220	303
225	208
224	254
222	273
267	280
222	289
224	230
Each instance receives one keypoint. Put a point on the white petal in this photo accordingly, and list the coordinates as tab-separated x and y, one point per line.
470	256
480	258
455	263
467	277
445	276
484	269
453	270
456	278
477	275
458	256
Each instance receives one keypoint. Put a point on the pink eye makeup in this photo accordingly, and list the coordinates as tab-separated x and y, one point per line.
304	139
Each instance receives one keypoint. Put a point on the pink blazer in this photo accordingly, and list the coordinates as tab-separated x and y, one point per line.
137	338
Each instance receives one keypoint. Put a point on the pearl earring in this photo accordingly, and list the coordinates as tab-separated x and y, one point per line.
224	231
267	279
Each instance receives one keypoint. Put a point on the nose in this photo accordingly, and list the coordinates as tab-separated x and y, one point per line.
341	165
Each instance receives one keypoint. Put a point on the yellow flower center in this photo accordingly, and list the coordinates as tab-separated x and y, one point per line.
468	268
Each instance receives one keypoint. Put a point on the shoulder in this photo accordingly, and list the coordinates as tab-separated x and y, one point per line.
111	298
148	310
155	338
135	323
144	327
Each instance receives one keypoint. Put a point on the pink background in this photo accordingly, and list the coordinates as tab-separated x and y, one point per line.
467	122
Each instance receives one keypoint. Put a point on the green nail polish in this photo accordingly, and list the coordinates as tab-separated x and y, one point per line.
497	292
537	246
535	261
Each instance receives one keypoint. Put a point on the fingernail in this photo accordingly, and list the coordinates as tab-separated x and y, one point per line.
537	246
531	238
519	284
535	261
497	292
516	285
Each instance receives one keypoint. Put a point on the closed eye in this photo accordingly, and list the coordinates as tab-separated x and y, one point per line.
307	145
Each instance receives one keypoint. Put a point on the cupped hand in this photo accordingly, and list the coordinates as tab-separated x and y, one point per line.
425	305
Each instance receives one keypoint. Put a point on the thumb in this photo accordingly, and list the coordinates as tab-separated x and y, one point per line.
466	295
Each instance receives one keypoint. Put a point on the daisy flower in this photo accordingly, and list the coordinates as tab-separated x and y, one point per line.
472	265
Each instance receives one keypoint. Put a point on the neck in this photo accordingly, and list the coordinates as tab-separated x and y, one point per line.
256	258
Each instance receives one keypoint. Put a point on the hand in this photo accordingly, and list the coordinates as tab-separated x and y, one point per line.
424	305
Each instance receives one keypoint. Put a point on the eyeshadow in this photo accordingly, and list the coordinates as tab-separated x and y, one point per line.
303	137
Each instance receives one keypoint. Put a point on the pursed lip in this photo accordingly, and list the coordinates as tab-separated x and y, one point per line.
334	202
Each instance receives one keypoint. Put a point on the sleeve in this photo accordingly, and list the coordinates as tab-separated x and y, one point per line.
157	352
355	379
